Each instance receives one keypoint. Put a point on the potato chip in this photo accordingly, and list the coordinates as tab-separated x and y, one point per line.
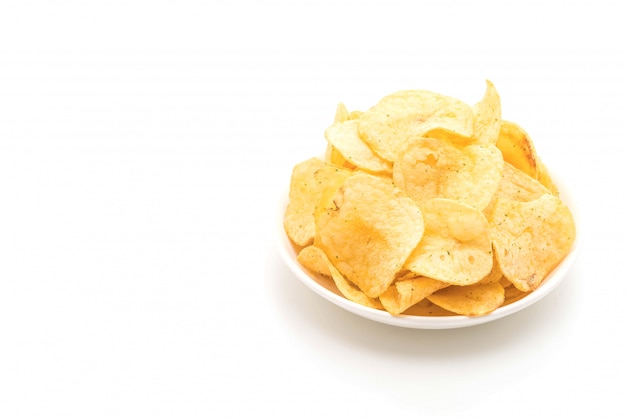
344	137
504	282
473	300
429	168
304	192
314	259
487	117
512	294
517	148
531	238
407	292
317	261
341	113
410	114
330	179
350	291
427	308
545	178
334	157
455	247
368	229
517	185
495	275
355	114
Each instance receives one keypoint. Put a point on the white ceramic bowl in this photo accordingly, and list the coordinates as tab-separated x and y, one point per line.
328	292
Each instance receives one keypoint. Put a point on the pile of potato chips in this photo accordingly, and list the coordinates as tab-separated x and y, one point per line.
427	205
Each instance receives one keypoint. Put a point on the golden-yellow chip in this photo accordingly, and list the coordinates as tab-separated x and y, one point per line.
317	261
304	193
511	293
487	117
474	300
410	114
407	292
517	148
334	157
455	247
314	260
495	275
341	113
368	229
344	137
531	238
429	168
518	186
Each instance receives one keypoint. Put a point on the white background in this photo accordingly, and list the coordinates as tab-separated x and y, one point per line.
144	146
